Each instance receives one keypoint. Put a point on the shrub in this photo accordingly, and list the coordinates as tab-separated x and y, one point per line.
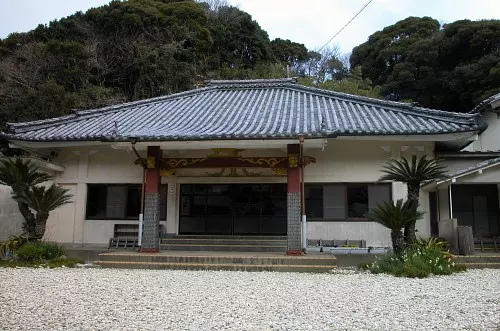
37	251
13	244
30	252
51	250
430	243
419	261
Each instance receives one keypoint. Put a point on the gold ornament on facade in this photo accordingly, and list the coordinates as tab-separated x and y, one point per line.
293	160
167	172
151	162
178	163
263	161
308	160
279	171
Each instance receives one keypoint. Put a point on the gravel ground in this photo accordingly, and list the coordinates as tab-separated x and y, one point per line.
109	299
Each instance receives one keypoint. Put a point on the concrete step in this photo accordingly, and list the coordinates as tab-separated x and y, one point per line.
471	265
480	258
487	249
216	267
223	241
325	260
479	261
223	248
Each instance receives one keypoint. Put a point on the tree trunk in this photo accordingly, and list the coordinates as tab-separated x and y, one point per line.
41	222
413	195
29	219
398	243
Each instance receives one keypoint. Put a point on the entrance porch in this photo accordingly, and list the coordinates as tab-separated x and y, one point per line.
261	208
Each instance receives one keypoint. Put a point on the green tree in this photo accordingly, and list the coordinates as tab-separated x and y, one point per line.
387	48
413	173
395	217
43	200
453	67
21	176
289	53
239	42
352	83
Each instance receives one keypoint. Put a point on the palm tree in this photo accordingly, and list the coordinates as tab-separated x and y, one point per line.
43	200
413	174
20	176
396	217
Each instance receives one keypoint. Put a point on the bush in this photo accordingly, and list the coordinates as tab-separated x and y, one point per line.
51	250
37	251
13	244
419	261
54	263
30	252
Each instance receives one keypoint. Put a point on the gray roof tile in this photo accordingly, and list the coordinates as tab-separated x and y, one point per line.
247	109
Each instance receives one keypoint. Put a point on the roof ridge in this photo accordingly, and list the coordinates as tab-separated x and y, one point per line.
483	105
260	82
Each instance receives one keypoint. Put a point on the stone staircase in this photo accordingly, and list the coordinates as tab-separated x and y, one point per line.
233	261
480	261
204	243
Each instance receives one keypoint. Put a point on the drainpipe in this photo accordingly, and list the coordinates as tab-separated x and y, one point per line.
302	196
141	215
451	199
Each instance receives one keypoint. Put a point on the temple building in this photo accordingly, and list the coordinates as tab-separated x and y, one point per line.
237	158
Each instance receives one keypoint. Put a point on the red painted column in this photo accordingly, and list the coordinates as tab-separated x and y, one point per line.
150	233
293	201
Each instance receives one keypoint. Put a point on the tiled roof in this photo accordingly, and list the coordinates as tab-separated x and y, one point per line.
247	109
466	171
491	103
475	167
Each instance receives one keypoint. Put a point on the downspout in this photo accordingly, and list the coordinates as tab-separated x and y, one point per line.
141	215
302	196
450	202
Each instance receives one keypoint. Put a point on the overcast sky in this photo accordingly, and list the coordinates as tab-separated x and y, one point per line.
311	22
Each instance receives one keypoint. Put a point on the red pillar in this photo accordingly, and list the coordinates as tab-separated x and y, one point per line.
293	201
150	233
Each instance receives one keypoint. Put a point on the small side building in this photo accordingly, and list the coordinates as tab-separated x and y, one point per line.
471	193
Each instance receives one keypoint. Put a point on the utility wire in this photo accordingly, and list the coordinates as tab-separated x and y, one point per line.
352	19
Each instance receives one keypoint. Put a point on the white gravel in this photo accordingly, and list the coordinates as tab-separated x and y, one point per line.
108	299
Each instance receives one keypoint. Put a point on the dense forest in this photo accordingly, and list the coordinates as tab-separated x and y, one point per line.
137	49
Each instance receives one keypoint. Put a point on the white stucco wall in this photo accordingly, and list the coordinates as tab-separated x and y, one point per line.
341	161
489	139
11	220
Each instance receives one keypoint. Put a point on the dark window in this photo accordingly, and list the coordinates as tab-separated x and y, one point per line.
314	201
119	201
357	200
343	201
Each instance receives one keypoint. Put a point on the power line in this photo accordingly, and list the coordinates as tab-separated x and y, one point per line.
352	19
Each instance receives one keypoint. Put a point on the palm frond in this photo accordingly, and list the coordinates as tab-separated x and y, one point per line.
415	170
397	215
20	174
44	200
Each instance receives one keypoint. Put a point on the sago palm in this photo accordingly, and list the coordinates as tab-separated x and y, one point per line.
395	217
43	200
413	173
20	175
